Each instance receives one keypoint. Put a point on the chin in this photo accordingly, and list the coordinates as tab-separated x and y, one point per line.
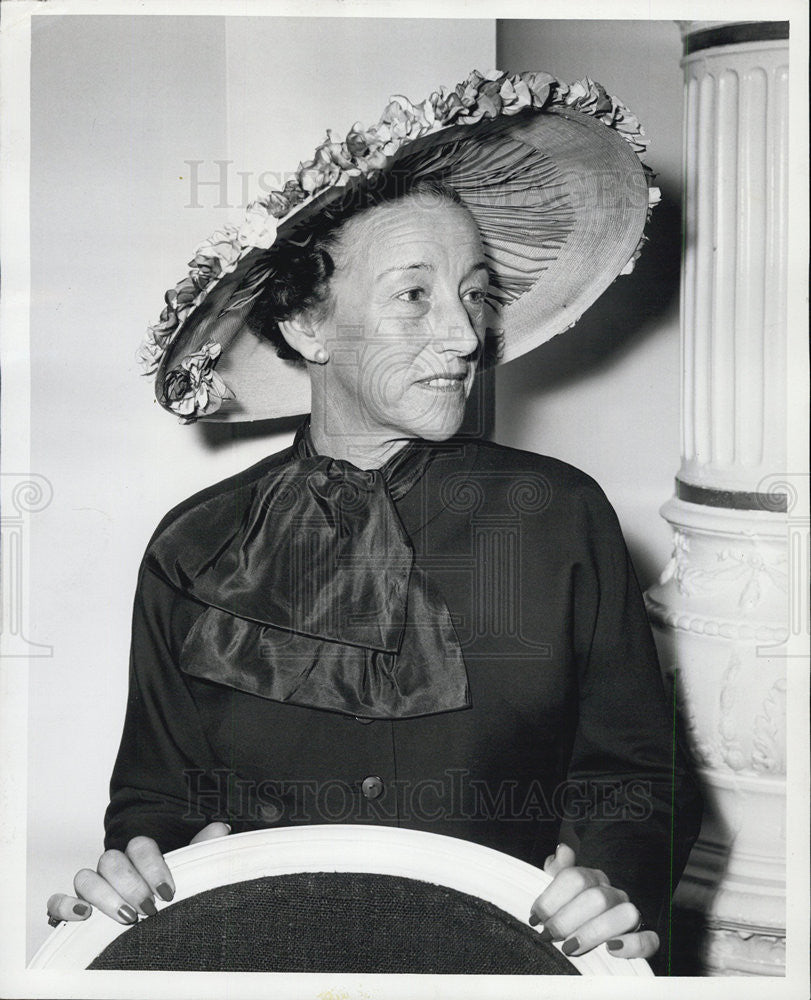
436	422
438	435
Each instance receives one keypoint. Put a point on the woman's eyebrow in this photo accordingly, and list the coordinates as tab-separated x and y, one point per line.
416	266
475	269
481	266
426	266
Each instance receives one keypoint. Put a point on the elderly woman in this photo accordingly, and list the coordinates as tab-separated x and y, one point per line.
386	622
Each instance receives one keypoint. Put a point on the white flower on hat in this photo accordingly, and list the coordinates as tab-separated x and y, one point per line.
259	227
222	246
194	389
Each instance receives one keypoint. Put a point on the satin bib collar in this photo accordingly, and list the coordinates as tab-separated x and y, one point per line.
311	592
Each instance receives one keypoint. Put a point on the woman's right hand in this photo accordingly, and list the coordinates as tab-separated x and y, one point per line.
124	883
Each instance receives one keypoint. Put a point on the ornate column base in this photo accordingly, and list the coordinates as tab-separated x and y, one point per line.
705	949
719	613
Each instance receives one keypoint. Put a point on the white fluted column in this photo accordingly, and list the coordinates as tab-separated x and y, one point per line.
720	608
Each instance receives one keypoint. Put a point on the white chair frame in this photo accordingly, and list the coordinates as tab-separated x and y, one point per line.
504	881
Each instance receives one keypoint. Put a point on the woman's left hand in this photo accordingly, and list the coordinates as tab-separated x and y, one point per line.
582	908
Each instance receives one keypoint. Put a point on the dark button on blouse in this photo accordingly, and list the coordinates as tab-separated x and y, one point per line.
271	813
372	787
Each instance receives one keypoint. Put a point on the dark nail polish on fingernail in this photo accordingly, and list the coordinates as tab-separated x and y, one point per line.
570	946
545	935
613	945
534	920
80	909
165	891
149	907
127	913
54	921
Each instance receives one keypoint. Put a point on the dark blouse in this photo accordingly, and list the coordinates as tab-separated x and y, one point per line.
568	721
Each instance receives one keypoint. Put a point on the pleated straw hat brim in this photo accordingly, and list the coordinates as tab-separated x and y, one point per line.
556	186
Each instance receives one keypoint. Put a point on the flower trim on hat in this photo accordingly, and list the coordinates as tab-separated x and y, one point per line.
193	388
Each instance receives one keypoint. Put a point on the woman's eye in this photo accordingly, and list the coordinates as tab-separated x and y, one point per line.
476	296
412	295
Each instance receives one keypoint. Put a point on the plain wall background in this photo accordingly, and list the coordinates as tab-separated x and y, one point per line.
118	105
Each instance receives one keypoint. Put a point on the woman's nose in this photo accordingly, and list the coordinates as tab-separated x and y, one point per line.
454	331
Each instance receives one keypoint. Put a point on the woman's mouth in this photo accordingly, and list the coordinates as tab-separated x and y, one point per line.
444	383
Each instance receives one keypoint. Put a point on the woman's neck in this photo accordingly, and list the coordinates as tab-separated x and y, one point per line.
362	449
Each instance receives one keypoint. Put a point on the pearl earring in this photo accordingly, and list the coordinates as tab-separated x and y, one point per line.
321	356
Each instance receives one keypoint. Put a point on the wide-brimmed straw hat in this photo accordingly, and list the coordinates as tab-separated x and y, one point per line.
550	171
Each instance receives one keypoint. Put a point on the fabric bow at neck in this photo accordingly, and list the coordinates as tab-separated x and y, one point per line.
311	590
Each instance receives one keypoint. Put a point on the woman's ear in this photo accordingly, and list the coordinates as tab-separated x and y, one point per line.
302	333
